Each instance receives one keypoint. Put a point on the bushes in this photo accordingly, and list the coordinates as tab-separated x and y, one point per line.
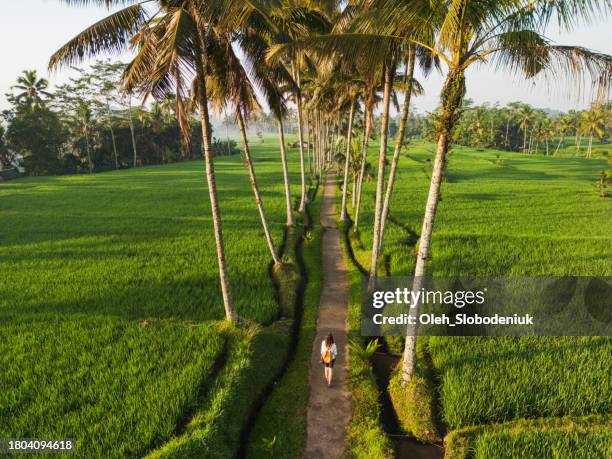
414	402
224	147
365	437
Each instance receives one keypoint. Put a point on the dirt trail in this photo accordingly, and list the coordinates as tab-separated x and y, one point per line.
329	408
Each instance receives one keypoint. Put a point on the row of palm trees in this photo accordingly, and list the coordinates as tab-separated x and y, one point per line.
333	59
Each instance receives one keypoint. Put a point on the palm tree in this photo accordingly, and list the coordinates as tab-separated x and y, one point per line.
546	132
592	123
389	73
562	125
33	89
106	91
524	115
462	33
229	84
412	87
171	53
84	116
347	163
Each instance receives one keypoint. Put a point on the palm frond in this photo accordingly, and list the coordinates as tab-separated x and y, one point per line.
111	34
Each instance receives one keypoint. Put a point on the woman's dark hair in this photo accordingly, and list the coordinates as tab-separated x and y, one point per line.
329	340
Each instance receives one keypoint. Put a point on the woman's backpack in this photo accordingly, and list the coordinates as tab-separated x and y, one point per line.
328	356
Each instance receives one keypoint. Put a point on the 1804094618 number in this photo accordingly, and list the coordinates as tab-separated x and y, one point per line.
36	445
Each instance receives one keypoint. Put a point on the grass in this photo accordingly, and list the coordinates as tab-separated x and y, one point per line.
581	437
139	243
272	435
524	215
415	402
215	429
88	378
526	377
365	436
110	281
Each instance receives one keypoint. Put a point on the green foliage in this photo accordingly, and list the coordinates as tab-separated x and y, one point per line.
364	353
38	135
575	437
365	437
535	215
537	376
225	147
112	278
88	377
414	402
137	244
215	428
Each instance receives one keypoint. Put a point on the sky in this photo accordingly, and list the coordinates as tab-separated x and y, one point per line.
31	30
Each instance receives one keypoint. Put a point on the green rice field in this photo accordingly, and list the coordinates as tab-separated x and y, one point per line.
505	214
110	303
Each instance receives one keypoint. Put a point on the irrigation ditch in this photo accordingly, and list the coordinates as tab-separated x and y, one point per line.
293	238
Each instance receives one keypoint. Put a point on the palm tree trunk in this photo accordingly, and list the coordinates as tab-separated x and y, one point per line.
133	134
298	98
112	131
524	138
253	180
283	153
558	145
347	159
315	143
308	127
590	146
399	143
212	183
88	147
388	86
507	131
452	95
364	152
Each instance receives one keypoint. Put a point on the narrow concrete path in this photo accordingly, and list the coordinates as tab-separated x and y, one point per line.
329	408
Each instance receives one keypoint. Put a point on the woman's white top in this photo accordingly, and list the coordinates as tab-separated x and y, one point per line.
334	349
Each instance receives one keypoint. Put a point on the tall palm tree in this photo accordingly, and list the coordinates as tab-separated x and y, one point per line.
229	84
33	89
563	125
389	73
171	54
546	132
370	100
412	87
524	115
592	123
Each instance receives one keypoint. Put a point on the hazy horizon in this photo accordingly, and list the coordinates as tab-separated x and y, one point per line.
37	28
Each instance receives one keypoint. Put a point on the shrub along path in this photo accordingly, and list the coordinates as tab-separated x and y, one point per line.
329	408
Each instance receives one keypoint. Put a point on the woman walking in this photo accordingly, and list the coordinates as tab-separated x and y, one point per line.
329	351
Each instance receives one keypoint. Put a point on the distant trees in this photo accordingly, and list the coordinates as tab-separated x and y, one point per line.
592	123
31	90
38	135
520	127
92	126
